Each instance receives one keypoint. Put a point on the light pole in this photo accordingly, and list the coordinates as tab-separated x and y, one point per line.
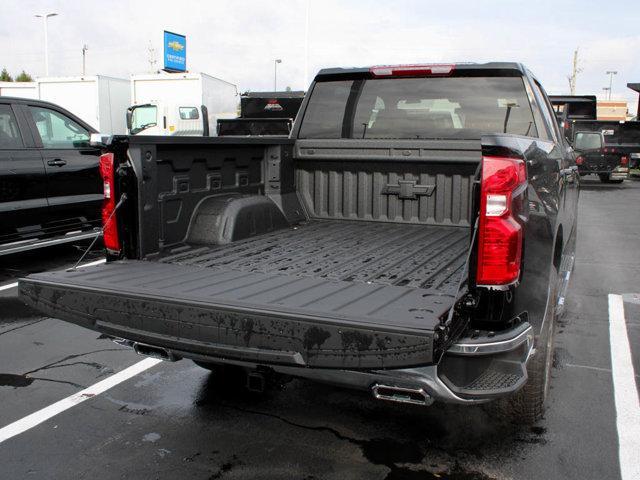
84	55
44	17
611	73
275	74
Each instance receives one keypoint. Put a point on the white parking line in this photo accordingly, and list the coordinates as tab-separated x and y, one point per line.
625	392
9	286
46	413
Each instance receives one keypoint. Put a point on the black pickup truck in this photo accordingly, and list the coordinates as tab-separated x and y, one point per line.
610	163
413	237
619	139
50	186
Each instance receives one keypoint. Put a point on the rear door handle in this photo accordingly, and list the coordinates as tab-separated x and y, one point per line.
57	162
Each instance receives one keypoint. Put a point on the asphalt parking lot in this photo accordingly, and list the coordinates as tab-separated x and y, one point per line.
175	420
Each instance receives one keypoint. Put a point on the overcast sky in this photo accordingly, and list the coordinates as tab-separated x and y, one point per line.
238	40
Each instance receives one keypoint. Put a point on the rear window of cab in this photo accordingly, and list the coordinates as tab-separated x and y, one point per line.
415	108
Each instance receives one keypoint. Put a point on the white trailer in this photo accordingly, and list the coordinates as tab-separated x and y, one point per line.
99	100
19	89
177	103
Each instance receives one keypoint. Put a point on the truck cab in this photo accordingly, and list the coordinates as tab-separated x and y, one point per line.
179	104
160	118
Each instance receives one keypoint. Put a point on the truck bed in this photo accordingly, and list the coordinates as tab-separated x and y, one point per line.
341	294
416	256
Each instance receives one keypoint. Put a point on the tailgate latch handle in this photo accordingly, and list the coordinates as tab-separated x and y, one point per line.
408	190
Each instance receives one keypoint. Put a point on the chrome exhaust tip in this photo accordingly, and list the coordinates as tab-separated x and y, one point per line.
154	352
414	396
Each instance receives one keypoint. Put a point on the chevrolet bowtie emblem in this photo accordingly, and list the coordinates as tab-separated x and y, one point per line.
408	190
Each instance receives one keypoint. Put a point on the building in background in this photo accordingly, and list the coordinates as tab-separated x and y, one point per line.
612	110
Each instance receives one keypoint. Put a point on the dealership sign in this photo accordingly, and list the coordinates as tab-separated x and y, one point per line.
175	52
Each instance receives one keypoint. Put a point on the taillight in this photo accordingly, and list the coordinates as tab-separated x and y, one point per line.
109	223
500	233
624	161
424	70
580	160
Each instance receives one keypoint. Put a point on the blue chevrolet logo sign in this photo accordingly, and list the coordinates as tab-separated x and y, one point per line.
175	52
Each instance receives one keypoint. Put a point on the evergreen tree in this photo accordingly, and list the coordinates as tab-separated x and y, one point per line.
4	76
24	77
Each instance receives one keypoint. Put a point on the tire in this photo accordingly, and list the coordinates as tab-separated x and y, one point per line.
526	406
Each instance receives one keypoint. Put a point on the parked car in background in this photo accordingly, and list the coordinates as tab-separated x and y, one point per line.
50	187
413	237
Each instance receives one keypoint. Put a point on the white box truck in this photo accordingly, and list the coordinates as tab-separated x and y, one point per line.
180	104
19	89
99	100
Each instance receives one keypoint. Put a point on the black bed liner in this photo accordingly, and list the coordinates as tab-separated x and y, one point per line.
330	294
377	253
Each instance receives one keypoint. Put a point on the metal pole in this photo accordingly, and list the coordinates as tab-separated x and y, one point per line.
84	54
306	47
574	73
275	74
611	73
45	17
46	46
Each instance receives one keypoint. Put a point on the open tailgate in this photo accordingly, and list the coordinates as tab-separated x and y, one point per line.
252	316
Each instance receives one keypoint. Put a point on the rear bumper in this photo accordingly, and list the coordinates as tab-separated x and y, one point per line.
619	173
473	371
616	173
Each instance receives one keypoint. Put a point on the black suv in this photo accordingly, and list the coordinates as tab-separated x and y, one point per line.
50	187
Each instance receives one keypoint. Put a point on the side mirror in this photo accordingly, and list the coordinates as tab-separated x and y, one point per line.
205	120
129	118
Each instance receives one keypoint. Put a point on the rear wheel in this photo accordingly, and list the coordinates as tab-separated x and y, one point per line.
526	406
